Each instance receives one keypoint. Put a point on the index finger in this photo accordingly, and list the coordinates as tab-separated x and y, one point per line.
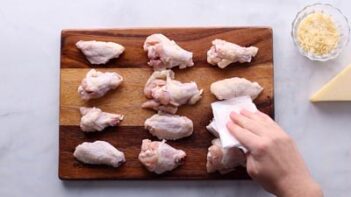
252	115
251	125
248	139
264	116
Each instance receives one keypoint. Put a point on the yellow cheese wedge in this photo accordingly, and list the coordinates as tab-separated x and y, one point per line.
337	89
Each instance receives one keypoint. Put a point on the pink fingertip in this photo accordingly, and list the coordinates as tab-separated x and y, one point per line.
245	111
233	113
229	124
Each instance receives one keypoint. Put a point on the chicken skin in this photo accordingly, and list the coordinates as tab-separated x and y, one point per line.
154	105
169	126
223	53
159	157
165	53
96	84
93	119
167	94
212	128
98	52
235	87
99	152
223	160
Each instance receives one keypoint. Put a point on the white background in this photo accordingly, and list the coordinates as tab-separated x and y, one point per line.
29	92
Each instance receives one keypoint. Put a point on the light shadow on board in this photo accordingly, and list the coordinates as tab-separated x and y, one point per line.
170	188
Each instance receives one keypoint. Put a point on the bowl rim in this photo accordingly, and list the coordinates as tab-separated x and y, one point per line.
315	57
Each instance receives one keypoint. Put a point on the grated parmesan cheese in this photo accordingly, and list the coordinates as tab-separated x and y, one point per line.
318	34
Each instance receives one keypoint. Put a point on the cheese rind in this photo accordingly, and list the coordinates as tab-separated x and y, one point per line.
337	89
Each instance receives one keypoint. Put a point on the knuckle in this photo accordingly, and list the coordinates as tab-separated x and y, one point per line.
244	123
282	139
263	147
276	139
286	139
253	172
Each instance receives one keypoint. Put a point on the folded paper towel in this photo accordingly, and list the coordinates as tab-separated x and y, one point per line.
221	112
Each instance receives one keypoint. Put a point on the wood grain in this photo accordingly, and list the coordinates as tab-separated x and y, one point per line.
128	139
129	96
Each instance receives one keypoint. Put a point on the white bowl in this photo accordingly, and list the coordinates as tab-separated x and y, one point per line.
340	21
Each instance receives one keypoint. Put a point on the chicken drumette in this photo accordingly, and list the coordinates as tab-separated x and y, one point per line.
99	152
223	160
159	157
93	119
169	126
223	53
167	94
98	52
96	84
235	87
165	53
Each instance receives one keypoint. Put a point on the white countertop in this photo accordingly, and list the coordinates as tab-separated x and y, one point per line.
30	44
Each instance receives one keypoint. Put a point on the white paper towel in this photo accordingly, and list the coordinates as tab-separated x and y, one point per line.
221	112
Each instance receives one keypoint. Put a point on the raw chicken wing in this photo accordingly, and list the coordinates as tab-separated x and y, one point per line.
212	128
93	119
98	52
168	94
99	152
235	87
154	105
160	157
169	126
223	160
223	53
165	53
96	84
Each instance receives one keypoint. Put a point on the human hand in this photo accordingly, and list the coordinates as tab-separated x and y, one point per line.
273	159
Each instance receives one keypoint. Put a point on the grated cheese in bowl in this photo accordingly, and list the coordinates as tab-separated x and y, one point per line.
317	33
320	32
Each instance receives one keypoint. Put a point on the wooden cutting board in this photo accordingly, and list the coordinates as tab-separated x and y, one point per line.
129	96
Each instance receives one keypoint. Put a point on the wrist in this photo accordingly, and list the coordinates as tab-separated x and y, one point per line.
299	187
